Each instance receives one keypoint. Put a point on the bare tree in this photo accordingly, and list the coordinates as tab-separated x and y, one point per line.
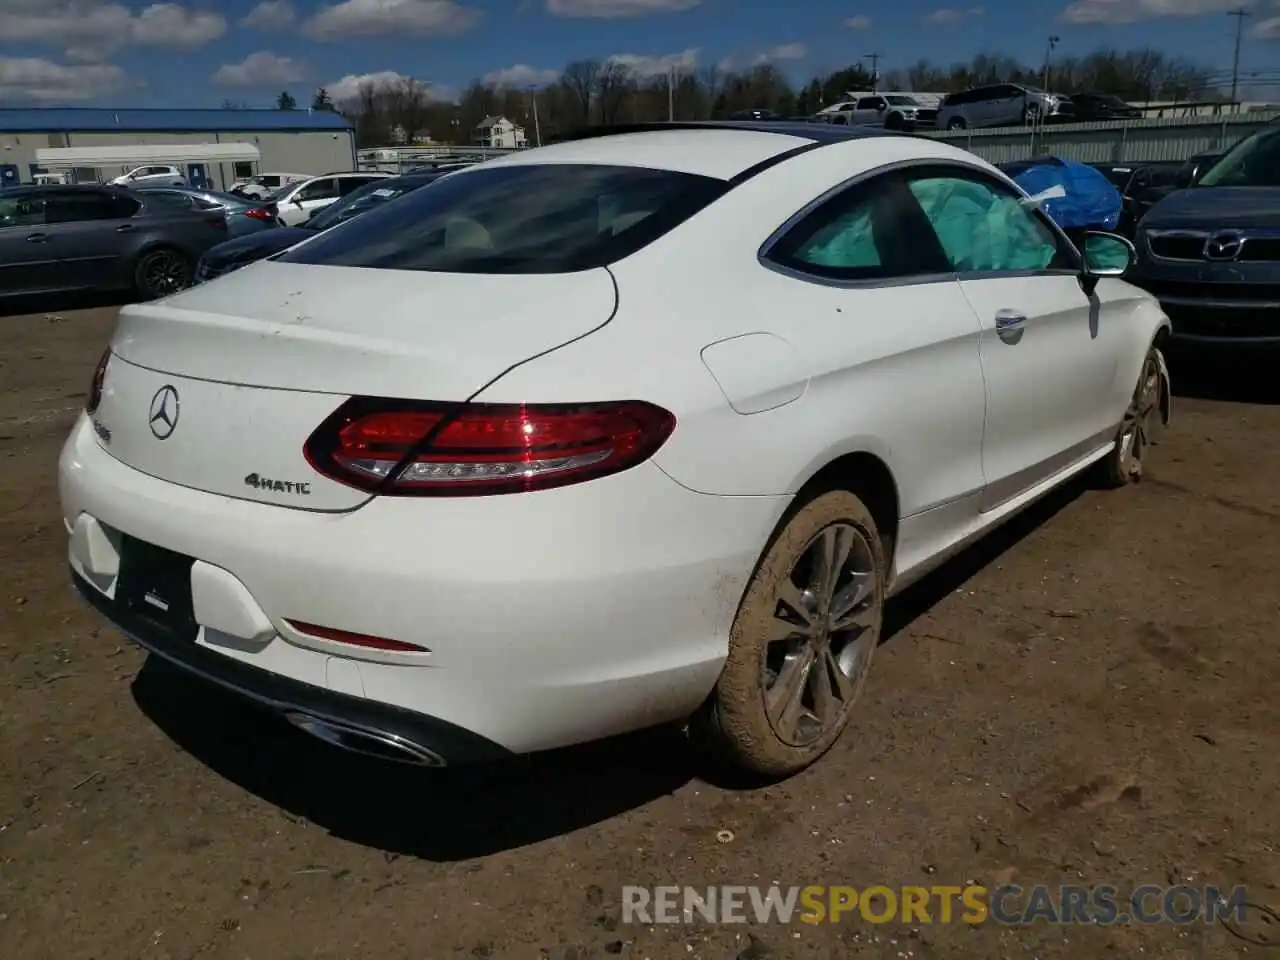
406	107
614	87
579	81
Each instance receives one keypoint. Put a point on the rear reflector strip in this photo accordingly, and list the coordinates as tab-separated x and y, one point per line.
356	639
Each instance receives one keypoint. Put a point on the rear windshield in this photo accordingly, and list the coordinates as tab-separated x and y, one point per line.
534	218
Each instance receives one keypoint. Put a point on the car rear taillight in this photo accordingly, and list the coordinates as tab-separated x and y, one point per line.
99	378
409	448
261	213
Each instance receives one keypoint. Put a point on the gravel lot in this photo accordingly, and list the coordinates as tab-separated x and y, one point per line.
1090	697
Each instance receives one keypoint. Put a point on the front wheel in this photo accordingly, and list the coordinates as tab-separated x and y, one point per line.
956	123
162	272
1142	424
802	642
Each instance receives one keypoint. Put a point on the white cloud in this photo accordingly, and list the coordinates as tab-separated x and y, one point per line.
348	88
90	29
646	66
29	79
860	22
1268	29
270	15
949	16
520	76
615	9
782	52
1132	11
262	69
369	18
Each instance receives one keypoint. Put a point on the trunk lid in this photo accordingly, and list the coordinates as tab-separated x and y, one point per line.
218	388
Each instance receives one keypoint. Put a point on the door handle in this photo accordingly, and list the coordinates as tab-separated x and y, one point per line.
37	238
125	228
1010	319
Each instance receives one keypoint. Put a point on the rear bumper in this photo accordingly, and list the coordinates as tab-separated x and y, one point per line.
550	619
448	743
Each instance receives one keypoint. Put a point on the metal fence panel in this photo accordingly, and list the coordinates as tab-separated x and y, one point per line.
1136	141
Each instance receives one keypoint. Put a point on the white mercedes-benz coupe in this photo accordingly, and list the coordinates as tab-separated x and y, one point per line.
641	427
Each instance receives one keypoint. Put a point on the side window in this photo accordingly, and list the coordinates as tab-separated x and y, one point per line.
242	169
872	231
23	210
868	103
348	185
174	201
984	227
84	206
320	190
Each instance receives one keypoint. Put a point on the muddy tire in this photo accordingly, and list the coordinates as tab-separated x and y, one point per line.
161	272
1142	425
802	642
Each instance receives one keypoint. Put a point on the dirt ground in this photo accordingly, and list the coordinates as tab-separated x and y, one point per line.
1091	697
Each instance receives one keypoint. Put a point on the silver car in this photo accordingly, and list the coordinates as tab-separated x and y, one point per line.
1001	105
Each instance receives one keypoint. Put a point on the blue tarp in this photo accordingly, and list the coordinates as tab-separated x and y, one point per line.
1091	201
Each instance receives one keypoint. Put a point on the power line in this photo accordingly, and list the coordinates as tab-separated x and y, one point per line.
1239	13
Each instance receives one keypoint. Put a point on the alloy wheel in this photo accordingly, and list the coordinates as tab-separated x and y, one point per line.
165	273
823	631
1138	430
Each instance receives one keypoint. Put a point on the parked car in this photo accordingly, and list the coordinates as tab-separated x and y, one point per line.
1211	252
1196	166
299	201
1002	105
894	111
1102	107
241	252
156	175
265	184
1150	183
244	216
1087	200
67	238
1120	174
700	512
760	115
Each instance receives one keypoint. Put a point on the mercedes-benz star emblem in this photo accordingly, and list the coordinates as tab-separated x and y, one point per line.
1224	245
163	417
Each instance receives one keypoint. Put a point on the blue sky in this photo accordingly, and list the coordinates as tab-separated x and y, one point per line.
129	53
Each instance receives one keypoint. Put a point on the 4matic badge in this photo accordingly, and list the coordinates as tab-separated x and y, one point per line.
278	486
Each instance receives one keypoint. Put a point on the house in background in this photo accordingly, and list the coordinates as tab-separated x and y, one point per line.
499	133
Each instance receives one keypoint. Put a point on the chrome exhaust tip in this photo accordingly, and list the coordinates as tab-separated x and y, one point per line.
371	743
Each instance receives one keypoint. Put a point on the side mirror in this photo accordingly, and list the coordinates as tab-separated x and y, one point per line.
1104	255
880	108
296	202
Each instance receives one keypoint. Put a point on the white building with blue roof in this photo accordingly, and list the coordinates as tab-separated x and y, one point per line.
217	147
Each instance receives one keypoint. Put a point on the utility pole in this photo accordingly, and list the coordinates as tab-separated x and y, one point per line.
875	69
1239	13
537	129
671	94
1048	55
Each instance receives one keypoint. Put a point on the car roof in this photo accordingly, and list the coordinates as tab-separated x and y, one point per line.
722	149
77	187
